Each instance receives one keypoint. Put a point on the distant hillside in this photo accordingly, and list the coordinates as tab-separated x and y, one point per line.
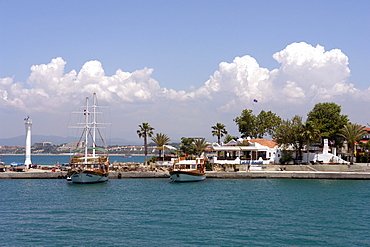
57	140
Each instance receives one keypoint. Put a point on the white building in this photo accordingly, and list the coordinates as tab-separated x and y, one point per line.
246	152
263	152
324	157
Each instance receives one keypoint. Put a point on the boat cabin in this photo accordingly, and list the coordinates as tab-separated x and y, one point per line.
182	163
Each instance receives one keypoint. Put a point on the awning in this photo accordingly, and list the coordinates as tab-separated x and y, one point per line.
236	148
164	147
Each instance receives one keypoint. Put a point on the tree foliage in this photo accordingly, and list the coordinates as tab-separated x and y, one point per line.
199	145
265	123
145	131
328	119
229	138
310	132
186	146
246	123
286	157
160	140
219	130
289	133
352	133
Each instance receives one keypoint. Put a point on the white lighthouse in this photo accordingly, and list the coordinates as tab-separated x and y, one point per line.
28	125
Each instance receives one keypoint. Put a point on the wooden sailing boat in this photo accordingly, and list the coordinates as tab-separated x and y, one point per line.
184	170
90	164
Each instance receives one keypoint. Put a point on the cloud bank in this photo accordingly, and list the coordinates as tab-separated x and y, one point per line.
306	75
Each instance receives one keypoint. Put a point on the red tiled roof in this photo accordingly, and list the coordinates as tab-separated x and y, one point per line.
264	142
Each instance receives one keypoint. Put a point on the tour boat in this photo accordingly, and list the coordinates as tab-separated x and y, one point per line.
188	170
90	164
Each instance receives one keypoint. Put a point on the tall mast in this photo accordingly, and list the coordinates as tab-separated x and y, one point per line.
94	123
87	113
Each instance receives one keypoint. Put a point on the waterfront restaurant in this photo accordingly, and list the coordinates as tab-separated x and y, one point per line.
253	152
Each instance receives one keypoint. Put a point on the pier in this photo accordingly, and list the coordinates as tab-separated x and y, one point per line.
210	175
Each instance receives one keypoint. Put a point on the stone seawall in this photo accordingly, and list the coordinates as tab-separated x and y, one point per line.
32	175
62	175
290	175
210	175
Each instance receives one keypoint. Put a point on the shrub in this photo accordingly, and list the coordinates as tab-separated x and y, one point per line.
286	157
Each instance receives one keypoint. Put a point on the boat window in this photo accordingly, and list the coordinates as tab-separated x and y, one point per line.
192	166
96	166
177	166
88	166
187	166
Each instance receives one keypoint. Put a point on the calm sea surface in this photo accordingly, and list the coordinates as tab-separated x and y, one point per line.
215	212
53	159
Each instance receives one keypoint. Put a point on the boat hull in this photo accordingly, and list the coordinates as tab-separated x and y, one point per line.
183	176
86	177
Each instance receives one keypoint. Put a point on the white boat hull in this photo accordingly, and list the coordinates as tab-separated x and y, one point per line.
87	178
186	177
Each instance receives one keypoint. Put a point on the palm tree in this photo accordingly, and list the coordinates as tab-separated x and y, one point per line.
219	130
229	138
199	145
310	133
161	140
145	131
352	133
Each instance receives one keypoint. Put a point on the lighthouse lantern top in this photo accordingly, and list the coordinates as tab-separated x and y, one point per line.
28	120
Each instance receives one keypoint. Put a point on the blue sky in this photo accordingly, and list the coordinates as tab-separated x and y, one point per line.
184	42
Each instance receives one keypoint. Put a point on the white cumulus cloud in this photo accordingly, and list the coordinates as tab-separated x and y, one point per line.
307	75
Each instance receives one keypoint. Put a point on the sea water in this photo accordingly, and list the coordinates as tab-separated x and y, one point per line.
215	212
54	159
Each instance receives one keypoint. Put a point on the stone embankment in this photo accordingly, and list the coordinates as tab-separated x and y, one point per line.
291	175
33	175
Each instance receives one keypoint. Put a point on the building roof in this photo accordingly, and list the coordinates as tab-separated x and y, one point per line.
263	142
262	145
235	148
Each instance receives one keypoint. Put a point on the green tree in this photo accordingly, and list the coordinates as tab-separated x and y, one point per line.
310	133
286	157
160	140
199	145
246	123
289	133
258	126
229	138
186	146
352	133
266	123
219	130
327	117
145	131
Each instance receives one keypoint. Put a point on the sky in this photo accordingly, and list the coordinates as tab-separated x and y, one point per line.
181	66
